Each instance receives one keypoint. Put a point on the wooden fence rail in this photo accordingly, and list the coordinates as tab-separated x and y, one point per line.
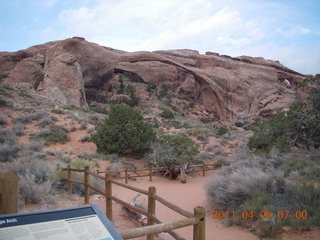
156	171
154	225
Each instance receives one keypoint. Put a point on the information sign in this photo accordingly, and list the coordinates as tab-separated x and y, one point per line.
78	223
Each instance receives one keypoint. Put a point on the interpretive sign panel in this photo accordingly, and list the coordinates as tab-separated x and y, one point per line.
79	223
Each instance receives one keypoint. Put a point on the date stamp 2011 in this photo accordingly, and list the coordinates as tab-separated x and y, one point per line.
281	215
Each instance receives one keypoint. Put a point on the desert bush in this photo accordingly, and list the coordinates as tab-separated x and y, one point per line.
150	88
31	191
80	164
8	151
2	121
9	148
230	188
259	184
85	138
123	132
83	125
167	114
18	130
205	120
35	179
198	132
58	111
46	121
34	146
55	134
222	130
3	102
171	152
114	168
300	126
23	93
27	118
163	91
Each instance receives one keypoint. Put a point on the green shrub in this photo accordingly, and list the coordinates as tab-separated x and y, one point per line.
205	120
23	93
222	130
58	111
123	132
150	88
3	102
239	124
163	91
2	121
167	114
300	126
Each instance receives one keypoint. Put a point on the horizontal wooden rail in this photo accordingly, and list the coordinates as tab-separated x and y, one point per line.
173	206
73	180
97	190
127	205
96	175
136	176
73	169
158	228
129	187
173	234
197	220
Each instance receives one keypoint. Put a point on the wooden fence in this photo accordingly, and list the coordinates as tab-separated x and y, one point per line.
154	225
150	172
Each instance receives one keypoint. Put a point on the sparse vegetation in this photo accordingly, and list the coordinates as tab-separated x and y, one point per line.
300	126
58	111
46	121
222	130
263	183
18	130
9	148
167	114
205	120
55	134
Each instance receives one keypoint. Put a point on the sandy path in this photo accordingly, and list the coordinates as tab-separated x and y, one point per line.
186	196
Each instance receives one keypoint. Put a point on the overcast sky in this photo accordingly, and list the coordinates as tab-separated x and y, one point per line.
284	30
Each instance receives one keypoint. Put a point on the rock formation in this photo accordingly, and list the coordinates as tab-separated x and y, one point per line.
230	89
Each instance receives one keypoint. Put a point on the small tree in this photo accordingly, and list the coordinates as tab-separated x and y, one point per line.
123	132
172	152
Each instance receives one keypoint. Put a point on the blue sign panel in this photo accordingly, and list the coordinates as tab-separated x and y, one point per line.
78	223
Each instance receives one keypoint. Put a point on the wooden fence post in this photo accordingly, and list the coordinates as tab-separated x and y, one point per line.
86	183
150	174
199	230
9	192
68	179
108	190
126	175
151	209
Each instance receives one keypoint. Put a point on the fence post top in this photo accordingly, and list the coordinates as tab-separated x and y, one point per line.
8	174
152	189
200	211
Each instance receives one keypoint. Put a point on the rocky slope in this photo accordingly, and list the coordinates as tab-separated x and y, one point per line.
74	71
